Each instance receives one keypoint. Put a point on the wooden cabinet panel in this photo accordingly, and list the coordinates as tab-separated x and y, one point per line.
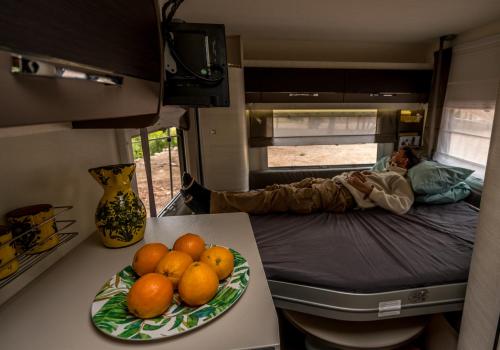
294	80
336	85
386	80
119	36
115	37
34	100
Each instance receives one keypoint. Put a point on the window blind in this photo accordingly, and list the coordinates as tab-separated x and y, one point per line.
469	107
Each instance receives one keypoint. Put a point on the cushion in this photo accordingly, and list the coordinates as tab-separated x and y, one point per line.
453	195
475	183
430	177
381	164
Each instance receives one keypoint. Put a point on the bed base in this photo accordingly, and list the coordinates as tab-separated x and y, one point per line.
368	307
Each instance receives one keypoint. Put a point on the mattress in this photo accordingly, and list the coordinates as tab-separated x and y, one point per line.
369	251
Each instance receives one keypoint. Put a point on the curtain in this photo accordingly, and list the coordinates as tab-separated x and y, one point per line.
442	62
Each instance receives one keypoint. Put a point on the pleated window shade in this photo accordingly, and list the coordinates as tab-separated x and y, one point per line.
469	107
481	314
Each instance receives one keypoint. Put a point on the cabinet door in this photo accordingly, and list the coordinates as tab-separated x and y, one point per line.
118	36
383	85
385	80
294	80
35	100
121	38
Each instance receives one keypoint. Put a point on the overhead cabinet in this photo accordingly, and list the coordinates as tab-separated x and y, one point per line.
387	85
68	60
294	85
277	85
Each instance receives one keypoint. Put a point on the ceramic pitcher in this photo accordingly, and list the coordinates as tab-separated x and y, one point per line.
120	216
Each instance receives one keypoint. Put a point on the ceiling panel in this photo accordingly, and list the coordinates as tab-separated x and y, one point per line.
352	20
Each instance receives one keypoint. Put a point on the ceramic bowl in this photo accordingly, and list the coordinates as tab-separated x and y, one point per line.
8	261
40	220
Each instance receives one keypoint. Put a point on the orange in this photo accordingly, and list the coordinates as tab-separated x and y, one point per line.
173	265
190	243
198	284
150	295
220	259
147	257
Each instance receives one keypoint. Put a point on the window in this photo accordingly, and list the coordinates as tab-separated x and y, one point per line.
165	167
321	155
316	137
464	138
328	122
471	95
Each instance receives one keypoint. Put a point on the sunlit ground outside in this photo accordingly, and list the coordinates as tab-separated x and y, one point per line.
164	188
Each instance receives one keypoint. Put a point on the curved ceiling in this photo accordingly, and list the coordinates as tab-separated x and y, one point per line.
407	21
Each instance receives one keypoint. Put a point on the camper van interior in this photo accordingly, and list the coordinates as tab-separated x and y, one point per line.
281	174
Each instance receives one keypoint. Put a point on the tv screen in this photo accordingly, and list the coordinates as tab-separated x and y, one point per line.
198	51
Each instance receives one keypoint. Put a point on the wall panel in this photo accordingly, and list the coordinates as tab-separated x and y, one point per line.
224	140
51	167
482	303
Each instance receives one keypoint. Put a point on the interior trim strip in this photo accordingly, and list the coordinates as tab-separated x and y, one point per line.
24	65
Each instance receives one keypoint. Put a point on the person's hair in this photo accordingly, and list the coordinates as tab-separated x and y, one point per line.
413	158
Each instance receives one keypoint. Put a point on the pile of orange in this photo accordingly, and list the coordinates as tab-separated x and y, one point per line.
189	268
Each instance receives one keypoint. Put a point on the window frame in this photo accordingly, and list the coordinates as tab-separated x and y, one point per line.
124	141
261	131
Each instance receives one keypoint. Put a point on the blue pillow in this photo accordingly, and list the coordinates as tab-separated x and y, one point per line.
475	183
429	177
381	164
453	195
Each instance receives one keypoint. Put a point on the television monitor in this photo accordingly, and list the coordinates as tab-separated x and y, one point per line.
196	65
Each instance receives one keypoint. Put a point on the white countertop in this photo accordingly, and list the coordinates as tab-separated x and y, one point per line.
53	312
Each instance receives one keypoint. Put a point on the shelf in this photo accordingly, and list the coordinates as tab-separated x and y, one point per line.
410	127
27	261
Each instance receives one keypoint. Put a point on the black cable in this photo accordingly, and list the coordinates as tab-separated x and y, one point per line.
188	69
167	20
497	335
175	5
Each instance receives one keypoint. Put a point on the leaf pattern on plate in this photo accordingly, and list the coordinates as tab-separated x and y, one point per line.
120	283
110	314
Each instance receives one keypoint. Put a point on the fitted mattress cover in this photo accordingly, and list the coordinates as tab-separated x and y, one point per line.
369	251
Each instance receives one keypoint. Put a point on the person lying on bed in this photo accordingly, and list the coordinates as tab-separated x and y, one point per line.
388	189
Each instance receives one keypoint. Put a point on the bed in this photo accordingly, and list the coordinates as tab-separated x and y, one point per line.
368	265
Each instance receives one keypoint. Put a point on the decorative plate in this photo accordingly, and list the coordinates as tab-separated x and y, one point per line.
110	315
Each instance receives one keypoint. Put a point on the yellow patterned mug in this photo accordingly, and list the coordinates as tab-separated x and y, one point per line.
40	220
8	261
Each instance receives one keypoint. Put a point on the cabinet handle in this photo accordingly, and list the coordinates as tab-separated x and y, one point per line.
303	94
23	65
